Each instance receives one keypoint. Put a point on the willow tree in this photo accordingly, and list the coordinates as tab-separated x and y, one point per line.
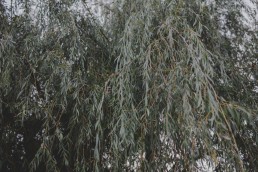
147	85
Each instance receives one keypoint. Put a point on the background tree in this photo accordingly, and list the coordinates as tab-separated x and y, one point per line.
148	85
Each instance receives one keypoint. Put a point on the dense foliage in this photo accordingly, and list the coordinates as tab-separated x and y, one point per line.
145	85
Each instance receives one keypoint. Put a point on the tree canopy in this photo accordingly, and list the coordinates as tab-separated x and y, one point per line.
142	85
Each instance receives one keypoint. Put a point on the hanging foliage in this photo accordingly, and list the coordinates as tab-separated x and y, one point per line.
141	85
